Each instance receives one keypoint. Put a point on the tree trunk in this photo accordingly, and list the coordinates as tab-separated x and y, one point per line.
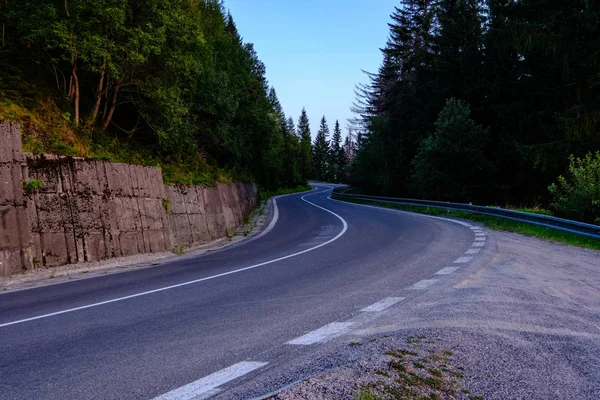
113	105
107	87
75	95
4	23
99	94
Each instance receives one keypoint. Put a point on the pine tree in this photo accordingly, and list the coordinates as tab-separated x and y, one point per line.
451	164
305	145
337	159
320	158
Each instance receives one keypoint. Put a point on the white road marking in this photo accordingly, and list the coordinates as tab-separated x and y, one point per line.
383	304
328	331
402	211
204	387
480	239
339	235
476	228
478	244
472	251
479	234
424	284
446	271
271	225
462	260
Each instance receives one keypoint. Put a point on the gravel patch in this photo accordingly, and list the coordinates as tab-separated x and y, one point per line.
523	322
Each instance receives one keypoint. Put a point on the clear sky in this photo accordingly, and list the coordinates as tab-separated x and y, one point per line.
314	50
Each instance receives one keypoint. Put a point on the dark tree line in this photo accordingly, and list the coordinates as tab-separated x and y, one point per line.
330	158
480	101
174	76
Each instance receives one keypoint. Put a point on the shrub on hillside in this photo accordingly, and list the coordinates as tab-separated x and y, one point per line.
578	195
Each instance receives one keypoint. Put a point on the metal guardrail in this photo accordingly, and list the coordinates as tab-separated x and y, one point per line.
547	221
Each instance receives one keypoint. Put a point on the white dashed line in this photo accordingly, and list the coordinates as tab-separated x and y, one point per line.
205	387
462	260
320	335
424	284
472	251
446	271
478	244
383	304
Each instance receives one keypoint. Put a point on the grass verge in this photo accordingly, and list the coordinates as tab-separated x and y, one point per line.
495	223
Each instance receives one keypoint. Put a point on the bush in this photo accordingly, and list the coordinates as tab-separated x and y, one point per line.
33	185
578	196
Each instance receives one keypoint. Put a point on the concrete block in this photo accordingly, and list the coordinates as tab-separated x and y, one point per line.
47	169
200	233
118	176
10	262
157	240
54	249
10	231
87	180
11	184
131	243
180	226
10	137
95	246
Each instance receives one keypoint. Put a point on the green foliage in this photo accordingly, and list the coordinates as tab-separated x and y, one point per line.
337	162
305	145
33	185
450	164
578	196
151	82
524	70
166	203
320	152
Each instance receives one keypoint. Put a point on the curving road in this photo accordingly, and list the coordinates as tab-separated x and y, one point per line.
192	328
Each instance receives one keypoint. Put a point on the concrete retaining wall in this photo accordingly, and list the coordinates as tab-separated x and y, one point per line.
89	210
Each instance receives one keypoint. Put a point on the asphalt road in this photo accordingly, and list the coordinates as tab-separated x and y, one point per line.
217	318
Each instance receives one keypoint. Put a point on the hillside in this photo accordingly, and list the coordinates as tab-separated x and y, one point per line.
146	82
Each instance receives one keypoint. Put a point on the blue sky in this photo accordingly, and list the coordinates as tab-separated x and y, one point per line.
314	50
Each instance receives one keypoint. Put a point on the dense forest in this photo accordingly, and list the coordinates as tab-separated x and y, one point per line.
486	102
160	82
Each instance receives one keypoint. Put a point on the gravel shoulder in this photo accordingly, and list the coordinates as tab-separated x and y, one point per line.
256	224
522	324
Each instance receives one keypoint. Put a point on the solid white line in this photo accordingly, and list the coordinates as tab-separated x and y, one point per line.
446	271
424	284
207	384
339	235
402	211
383	304
462	260
478	244
322	334
472	251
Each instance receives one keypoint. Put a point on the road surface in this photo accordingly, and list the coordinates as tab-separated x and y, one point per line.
200	327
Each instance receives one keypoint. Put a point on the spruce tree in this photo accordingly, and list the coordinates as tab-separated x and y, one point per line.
336	155
305	145
320	158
